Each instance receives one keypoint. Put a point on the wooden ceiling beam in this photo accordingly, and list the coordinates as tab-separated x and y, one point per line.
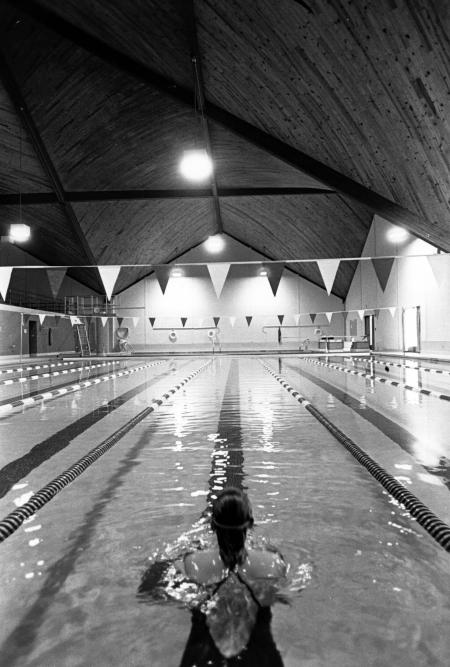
329	177
32	198
25	117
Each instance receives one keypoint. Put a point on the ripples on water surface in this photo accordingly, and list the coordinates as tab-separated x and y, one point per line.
366	585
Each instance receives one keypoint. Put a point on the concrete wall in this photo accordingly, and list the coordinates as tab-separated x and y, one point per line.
54	335
245	293
414	281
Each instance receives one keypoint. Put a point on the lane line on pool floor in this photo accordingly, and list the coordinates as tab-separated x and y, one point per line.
414	368
65	371
434	526
13	521
392	383
6	408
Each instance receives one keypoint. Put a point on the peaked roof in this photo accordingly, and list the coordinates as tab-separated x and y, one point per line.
318	115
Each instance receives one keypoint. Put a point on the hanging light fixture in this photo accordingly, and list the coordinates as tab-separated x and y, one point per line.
19	233
397	234
196	164
214	244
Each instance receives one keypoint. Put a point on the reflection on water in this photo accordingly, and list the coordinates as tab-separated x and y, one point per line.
363	578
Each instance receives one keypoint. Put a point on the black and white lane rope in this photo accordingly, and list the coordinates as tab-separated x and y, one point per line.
439	530
65	371
14	520
382	380
425	369
54	393
21	369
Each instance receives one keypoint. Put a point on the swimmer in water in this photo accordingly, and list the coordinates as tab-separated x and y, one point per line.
233	621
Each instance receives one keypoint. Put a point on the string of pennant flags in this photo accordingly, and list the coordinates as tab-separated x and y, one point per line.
218	271
212	321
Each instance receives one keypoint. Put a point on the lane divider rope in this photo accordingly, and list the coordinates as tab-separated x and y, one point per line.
55	393
31	368
14	520
437	528
382	380
65	371
414	368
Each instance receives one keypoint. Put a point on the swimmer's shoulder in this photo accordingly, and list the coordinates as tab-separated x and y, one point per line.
264	564
204	567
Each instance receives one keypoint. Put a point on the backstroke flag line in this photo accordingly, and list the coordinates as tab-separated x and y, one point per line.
109	274
5	277
328	269
218	273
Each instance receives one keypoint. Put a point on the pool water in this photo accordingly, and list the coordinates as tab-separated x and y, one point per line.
366	584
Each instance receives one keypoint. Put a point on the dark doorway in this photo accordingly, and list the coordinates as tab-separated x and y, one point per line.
32	338
369	330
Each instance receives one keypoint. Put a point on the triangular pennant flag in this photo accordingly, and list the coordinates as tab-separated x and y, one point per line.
162	276
232	320
135	321
104	320
218	272
439	265
280	318
75	320
392	310
108	274
183	321
55	278
329	316
313	317
5	277
152	321
328	269
119	321
383	266
297	318
41	319
274	272
249	319
361	314
216	321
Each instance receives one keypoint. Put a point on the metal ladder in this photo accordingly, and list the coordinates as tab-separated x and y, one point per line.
82	340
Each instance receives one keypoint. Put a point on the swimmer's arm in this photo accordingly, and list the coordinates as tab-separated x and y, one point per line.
202	567
266	564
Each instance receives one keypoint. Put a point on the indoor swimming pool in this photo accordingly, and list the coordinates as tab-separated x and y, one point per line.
366	585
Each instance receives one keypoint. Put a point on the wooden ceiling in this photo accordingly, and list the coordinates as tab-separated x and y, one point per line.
318	114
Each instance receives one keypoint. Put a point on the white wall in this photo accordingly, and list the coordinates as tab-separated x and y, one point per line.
414	281
244	293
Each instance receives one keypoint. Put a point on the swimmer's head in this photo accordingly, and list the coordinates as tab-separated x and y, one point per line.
231	517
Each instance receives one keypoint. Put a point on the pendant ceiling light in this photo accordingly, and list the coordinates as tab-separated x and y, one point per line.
196	164
214	244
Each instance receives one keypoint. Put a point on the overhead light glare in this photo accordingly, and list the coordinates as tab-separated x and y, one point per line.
176	273
397	235
19	233
214	244
263	272
196	165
